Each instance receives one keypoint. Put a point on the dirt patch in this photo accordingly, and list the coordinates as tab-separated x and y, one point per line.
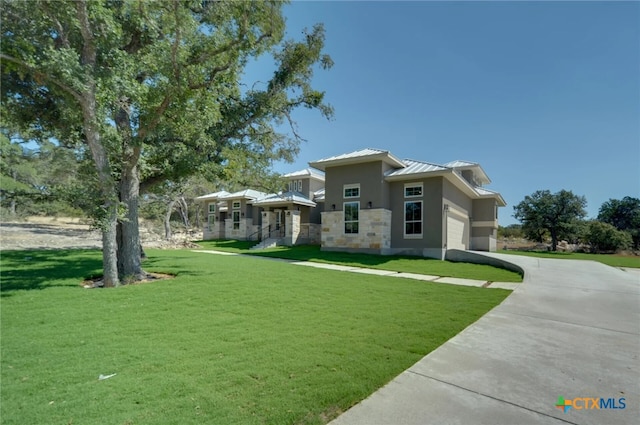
68	233
96	282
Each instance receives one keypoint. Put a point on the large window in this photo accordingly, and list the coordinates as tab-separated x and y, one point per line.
351	190
236	220
211	220
413	218
351	217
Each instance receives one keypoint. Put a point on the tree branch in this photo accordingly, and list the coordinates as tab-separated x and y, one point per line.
44	76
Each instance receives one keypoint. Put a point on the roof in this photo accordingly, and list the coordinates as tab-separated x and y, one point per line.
358	157
285	198
213	196
415	167
307	172
245	194
478	172
318	195
486	193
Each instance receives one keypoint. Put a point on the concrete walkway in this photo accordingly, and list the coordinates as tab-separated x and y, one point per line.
378	272
571	329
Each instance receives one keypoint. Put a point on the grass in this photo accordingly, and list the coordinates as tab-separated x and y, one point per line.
608	259
229	340
407	264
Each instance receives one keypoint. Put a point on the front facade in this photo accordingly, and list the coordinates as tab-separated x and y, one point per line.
371	201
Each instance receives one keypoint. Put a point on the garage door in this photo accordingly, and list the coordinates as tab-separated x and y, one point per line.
456	233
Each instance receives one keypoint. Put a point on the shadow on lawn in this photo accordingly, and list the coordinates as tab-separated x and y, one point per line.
30	270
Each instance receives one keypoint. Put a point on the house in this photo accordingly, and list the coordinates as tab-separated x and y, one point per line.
371	201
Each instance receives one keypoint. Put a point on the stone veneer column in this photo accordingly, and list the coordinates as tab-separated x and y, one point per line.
292	226
268	217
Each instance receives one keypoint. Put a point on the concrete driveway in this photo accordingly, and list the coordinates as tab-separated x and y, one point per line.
571	330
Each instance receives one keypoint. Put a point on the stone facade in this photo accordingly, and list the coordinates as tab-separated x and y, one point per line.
374	231
246	231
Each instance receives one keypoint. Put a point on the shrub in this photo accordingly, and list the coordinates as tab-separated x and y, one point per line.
603	237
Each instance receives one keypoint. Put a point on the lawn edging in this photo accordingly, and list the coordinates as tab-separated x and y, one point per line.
460	256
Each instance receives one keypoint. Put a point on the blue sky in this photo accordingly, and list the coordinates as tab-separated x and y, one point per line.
544	95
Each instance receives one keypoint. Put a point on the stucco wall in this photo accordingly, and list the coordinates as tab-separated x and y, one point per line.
370	177
431	215
484	210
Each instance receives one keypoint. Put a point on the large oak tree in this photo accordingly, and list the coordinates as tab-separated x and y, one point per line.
555	214
151	92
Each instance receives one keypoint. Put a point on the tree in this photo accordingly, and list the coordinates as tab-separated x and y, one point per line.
555	214
152	91
623	214
603	237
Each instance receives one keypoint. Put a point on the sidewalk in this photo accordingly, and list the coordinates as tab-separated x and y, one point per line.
378	272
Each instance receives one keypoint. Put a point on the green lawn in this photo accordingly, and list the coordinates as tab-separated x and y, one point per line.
229	340
418	265
608	259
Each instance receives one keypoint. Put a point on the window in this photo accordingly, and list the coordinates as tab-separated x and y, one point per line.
212	208
351	213
413	218
211	220
412	190
351	190
236	220
236	204
290	186
299	185
495	207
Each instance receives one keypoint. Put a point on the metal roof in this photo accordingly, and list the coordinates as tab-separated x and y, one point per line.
490	194
359	156
415	167
459	164
245	194
478	172
318	195
285	198
213	196
307	172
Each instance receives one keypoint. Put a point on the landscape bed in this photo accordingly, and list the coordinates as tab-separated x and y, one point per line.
229	340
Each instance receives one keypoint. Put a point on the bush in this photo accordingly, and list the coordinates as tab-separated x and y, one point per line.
603	237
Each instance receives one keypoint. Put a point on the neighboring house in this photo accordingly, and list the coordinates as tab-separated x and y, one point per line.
371	201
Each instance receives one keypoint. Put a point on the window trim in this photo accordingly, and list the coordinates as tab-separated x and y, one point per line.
421	221
344	218
211	221
235	205
300	186
414	185
212	208
350	186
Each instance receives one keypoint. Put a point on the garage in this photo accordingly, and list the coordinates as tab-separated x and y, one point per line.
457	232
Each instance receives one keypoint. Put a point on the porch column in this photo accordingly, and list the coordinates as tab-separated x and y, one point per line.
268	221
292	227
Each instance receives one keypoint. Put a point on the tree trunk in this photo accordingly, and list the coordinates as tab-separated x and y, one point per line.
110	247
87	100
183	208
129	246
554	240
167	220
